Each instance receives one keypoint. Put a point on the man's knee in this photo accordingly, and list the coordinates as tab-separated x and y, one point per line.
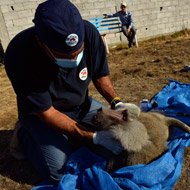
125	31
54	167
47	159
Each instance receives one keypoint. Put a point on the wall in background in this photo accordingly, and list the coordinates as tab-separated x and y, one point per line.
152	17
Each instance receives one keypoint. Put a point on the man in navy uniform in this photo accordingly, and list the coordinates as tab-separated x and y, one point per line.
50	67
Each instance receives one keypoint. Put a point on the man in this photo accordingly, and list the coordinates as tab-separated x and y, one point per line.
50	67
127	21
1	55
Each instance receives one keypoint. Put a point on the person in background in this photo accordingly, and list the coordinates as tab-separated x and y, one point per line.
127	21
50	67
1	55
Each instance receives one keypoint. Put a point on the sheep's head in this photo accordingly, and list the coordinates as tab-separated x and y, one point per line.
104	118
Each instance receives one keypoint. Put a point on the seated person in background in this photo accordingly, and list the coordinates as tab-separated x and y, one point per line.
127	20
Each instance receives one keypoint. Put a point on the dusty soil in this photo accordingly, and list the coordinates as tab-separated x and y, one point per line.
136	73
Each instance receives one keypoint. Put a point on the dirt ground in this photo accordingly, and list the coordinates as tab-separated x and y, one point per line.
136	73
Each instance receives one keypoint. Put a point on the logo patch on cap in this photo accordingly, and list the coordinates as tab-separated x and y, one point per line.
72	40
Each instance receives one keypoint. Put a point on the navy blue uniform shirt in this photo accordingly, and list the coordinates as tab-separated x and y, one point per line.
39	83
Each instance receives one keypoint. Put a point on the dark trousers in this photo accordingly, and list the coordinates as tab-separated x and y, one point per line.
130	36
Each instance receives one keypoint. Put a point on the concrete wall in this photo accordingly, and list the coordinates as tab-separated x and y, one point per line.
152	17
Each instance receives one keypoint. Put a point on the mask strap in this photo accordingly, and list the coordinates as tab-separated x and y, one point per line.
49	52
52	56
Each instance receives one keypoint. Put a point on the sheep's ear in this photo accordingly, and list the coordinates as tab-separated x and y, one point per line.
119	116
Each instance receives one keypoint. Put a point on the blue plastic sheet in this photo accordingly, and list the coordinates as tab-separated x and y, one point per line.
174	100
86	171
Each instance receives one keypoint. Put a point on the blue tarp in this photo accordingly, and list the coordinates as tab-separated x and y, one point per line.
174	100
86	171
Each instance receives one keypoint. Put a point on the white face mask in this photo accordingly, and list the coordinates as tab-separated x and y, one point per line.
69	63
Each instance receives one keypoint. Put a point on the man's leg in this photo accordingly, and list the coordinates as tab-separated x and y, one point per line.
133	33
46	149
125	32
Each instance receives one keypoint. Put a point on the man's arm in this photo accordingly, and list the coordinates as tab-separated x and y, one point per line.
105	88
111	15
63	124
131	20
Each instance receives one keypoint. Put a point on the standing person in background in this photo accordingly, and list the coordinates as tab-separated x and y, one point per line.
50	67
127	21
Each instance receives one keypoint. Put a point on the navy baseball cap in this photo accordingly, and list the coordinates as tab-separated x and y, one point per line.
59	25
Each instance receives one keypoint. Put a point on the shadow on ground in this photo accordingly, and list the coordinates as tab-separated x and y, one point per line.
19	171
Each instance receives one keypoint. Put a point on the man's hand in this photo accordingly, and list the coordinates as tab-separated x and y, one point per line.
129	31
106	16
107	139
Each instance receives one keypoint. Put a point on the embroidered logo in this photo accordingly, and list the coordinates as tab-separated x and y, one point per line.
72	40
83	74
